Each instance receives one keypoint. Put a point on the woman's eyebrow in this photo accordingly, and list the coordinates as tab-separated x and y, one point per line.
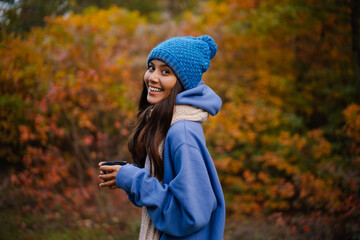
160	65
164	65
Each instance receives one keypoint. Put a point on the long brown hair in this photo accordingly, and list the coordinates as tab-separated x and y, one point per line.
153	122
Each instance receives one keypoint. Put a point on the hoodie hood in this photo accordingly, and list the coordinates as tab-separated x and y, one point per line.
202	97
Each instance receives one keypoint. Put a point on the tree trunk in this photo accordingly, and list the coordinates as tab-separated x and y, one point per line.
355	12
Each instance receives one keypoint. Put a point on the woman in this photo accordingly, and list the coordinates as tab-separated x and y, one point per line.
174	178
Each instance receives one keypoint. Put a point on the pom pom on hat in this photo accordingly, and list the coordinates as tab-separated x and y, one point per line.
189	57
211	43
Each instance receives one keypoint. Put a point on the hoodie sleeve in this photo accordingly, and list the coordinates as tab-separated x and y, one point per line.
181	207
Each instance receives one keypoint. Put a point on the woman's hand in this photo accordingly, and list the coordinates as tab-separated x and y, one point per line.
108	175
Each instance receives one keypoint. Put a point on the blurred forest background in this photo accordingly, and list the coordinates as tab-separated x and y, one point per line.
286	142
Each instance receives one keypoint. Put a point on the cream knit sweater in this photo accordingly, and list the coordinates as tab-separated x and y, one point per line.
148	230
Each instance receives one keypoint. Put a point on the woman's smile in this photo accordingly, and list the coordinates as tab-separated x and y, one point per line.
159	80
154	89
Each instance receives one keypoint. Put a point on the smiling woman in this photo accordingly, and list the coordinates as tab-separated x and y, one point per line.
174	179
159	80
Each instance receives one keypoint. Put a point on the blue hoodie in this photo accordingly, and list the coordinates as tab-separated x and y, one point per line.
189	203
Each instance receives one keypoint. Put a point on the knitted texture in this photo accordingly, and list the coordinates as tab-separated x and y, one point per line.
190	113
189	57
148	231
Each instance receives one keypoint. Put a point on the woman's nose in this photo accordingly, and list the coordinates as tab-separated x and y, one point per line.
154	77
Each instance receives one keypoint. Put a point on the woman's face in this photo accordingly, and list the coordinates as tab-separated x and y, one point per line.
159	80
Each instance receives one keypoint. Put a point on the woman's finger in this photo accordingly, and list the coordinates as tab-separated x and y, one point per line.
108	183
107	177
108	168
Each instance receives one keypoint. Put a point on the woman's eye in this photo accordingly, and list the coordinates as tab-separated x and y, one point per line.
165	71
151	68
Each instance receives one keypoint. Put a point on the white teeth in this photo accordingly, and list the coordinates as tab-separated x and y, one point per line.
153	89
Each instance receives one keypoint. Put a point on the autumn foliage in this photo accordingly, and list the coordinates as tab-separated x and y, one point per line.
286	142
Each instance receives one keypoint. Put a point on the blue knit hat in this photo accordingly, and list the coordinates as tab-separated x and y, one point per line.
189	57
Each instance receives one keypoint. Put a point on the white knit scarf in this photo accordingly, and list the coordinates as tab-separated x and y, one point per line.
148	231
